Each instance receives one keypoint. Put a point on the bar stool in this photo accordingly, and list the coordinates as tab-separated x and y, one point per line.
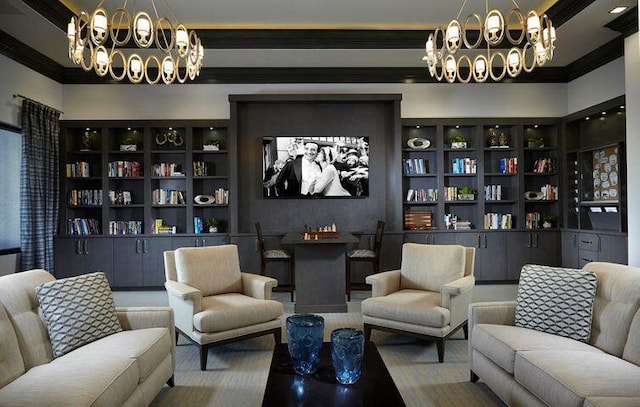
275	255
366	255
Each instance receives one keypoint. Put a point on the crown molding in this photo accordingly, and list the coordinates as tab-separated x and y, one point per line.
610	51
564	10
626	24
20	52
54	11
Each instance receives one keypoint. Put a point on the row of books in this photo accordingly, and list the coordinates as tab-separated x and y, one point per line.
464	165
161	196
493	192
532	220
125	169
508	165
125	227
166	170
498	221
221	196
120	197
203	168
415	166
79	197
549	192
545	165
83	226
159	228
78	169
422	195
452	222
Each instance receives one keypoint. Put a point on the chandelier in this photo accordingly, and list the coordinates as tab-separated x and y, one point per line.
166	49
532	46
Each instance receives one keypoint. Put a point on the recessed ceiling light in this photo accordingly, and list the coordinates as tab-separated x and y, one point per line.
587	118
603	113
417	127
618	10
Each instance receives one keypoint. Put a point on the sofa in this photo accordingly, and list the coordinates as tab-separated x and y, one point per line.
127	368
526	367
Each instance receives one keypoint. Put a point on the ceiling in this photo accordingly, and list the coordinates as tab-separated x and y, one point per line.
297	40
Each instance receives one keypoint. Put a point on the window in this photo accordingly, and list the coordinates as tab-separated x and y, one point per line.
10	156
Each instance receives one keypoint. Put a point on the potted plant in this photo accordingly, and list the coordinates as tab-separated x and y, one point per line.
535	141
211	144
128	143
549	220
212	225
458	142
466	194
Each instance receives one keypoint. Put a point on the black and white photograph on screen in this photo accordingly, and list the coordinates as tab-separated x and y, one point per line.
315	167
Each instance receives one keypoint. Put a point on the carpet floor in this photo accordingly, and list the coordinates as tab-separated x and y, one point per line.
237	373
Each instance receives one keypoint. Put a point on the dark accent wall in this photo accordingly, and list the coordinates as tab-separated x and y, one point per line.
374	116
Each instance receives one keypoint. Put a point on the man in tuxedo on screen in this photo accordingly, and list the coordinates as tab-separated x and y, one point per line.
299	174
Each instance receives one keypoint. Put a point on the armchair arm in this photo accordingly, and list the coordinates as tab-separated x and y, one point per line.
384	283
258	286
186	301
182	291
456	297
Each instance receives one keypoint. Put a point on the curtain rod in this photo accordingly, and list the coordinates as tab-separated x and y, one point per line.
17	95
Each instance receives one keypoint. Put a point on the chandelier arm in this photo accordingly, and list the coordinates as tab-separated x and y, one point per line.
155	10
464	3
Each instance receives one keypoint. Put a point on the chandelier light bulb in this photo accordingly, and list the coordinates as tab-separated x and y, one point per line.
136	66
143	27
182	37
102	58
450	65
167	66
545	34
453	34
514	59
480	66
493	24
533	24
71	30
100	23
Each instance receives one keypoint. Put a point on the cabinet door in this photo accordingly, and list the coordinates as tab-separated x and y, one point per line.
441	238
153	260
546	248
184	241
613	249
519	253
490	254
570	256
127	262
98	254
421	238
68	257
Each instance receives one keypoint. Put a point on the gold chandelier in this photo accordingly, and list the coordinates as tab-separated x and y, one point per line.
532	47
173	51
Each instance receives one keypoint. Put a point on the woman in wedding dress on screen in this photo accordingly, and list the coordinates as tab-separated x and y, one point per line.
328	184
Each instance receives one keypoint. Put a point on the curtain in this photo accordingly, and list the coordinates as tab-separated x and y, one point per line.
39	187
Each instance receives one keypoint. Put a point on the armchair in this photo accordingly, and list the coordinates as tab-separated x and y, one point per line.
427	298
214	302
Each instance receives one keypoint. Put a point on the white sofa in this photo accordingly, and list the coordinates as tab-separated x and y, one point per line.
124	369
530	368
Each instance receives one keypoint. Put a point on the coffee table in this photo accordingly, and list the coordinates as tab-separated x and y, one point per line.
287	388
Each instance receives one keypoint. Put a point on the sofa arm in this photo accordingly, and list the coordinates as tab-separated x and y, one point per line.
498	313
149	317
384	283
258	286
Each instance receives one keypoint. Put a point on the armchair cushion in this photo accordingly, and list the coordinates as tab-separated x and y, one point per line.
229	311
411	306
212	270
77	311
429	267
556	300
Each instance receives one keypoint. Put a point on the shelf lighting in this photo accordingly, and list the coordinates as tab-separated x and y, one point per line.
536	39
98	41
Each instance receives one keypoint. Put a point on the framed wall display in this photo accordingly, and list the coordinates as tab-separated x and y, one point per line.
315	167
606	174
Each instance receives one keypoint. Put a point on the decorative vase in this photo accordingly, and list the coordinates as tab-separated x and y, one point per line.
304	337
347	350
459	144
546	224
213	229
503	139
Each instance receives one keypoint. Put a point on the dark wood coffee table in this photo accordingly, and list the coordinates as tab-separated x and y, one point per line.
287	388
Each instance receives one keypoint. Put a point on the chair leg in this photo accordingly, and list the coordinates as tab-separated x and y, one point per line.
278	336
177	335
171	382
204	352
440	343
473	377
292	277
367	333
348	279
465	329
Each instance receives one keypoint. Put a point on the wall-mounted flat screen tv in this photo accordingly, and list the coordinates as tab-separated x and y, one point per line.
315	167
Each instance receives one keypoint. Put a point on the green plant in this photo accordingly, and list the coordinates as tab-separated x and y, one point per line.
466	190
535	138
127	140
457	139
549	217
211	222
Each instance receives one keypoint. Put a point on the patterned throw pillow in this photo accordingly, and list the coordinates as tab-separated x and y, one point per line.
556	300
77	311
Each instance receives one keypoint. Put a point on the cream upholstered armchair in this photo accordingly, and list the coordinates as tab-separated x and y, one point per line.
214	302
428	297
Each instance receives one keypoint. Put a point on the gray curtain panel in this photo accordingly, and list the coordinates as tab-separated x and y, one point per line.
39	187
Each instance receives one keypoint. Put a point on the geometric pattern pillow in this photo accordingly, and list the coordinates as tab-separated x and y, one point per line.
556	300
77	311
